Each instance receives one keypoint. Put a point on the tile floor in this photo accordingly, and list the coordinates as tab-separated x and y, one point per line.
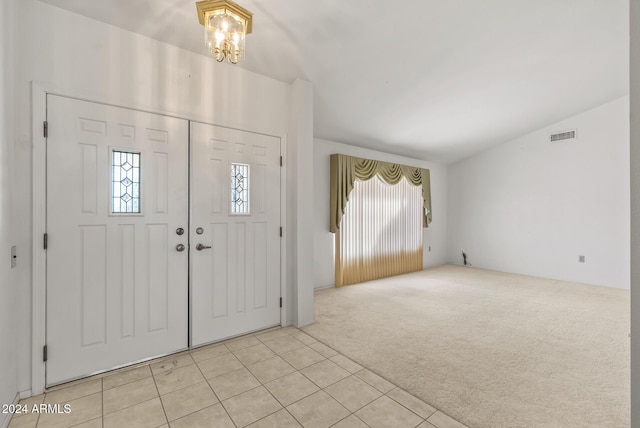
279	378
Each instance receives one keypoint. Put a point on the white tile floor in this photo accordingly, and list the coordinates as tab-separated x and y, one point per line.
280	378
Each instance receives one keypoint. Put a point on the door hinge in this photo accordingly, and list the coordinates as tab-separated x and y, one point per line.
280	160
281	302
45	129
46	240
281	231
44	353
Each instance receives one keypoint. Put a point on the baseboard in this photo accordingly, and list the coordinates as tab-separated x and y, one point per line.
306	324
324	287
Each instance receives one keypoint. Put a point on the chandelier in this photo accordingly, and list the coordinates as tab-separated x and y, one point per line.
225	26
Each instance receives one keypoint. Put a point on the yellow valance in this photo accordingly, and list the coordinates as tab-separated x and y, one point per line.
346	169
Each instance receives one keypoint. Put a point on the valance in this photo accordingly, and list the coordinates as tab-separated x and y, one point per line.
346	169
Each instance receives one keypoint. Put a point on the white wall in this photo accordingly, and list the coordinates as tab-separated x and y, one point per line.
532	207
300	167
81	56
635	212
8	307
323	240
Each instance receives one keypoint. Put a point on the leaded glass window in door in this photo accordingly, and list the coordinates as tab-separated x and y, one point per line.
239	188
125	182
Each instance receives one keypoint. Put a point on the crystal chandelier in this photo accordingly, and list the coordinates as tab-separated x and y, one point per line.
225	26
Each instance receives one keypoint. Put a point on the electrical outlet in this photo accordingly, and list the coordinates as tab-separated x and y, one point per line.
580	259
14	256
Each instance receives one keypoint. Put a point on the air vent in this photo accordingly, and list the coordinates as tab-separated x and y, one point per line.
565	135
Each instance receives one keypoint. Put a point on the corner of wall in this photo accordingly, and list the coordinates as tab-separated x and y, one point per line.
8	289
532	207
300	164
635	211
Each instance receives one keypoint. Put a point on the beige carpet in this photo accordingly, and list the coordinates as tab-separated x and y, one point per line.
489	349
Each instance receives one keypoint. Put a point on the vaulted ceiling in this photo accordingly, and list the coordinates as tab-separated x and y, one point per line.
433	79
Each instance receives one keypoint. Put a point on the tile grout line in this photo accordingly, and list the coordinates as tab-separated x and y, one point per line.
320	388
383	393
214	393
40	414
258	362
263	385
277	401
274	397
391	398
159	396
260	341
126	369
209	347
80	423
128	406
131	406
354	415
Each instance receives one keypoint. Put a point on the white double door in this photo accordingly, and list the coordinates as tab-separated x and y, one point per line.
149	248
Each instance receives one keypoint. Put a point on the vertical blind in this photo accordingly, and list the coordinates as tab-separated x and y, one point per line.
378	228
346	169
380	232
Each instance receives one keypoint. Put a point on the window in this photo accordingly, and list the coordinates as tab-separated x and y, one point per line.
380	233
239	188
125	182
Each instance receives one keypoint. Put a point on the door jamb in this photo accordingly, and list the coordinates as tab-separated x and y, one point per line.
283	240
39	226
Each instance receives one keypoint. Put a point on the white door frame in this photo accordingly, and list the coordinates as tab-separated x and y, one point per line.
39	91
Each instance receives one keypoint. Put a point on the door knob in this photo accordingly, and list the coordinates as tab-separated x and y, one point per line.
201	247
180	247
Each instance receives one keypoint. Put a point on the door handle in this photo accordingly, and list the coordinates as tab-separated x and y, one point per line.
201	247
180	247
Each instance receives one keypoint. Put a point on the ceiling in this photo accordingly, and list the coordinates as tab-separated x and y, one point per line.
432	79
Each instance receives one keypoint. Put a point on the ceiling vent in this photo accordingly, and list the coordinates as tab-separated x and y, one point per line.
564	135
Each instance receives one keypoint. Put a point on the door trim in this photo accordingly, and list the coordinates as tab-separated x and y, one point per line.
39	91
284	237
39	226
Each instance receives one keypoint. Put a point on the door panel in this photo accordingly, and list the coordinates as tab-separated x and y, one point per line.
236	282
116	284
